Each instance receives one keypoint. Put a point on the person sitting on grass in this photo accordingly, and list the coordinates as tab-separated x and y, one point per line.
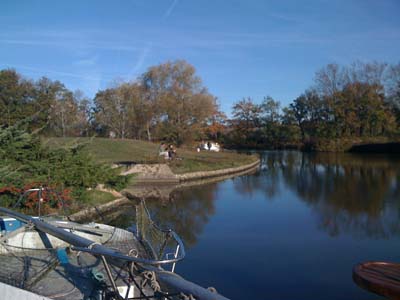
163	151
171	152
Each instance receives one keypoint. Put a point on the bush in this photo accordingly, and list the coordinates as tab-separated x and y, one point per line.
24	160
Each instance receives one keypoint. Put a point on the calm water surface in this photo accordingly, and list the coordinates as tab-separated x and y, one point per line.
292	230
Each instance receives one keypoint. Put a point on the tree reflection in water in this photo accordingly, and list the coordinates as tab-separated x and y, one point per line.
185	210
266	180
348	193
357	194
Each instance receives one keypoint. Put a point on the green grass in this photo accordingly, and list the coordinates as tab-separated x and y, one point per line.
94	197
89	199
208	161
117	150
111	150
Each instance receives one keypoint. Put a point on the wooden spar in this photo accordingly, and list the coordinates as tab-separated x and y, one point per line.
117	258
382	278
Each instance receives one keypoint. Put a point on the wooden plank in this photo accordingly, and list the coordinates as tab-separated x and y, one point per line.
382	278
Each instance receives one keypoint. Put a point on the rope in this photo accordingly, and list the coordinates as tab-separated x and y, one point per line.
93	244
133	252
183	296
151	276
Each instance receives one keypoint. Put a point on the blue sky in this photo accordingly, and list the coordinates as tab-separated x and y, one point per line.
240	48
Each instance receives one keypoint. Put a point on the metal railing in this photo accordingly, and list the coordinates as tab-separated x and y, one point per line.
40	191
164	258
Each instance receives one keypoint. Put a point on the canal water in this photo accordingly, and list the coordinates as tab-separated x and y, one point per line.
292	230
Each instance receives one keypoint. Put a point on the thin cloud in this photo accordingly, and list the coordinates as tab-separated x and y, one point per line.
52	72
87	62
286	18
141	60
31	42
71	44
146	50
89	79
170	9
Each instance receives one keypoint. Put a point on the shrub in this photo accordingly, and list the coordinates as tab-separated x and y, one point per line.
23	160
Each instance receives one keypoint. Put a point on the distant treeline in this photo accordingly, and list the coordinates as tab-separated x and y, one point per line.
345	105
167	102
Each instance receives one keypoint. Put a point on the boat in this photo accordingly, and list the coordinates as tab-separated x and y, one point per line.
60	259
379	277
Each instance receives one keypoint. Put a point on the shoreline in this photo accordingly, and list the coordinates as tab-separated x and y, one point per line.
343	145
183	181
217	173
162	173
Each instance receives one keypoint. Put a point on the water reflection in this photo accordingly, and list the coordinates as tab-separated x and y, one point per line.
185	210
347	193
312	216
357	194
188	211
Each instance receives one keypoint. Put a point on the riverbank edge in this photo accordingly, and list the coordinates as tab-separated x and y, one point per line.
162	173
384	145
88	213
217	173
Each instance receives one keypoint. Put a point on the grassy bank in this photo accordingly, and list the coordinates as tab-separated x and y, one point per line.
91	198
117	150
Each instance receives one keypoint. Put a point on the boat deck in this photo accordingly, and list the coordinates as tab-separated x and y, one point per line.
64	274
82	277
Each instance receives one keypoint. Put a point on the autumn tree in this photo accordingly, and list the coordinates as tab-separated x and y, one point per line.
270	110
178	100
363	110
167	102
16	95
246	115
308	111
392	90
113	108
373	73
356	98
330	79
48	105
216	125
82	126
245	123
45	95
62	113
270	118
124	109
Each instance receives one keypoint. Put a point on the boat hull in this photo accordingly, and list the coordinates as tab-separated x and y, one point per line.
26	238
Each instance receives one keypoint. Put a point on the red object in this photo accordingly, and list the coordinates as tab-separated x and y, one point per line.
382	278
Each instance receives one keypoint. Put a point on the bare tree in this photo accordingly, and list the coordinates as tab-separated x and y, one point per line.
330	79
63	111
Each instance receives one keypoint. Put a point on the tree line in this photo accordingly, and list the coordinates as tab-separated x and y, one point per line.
49	105
169	102
345	103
